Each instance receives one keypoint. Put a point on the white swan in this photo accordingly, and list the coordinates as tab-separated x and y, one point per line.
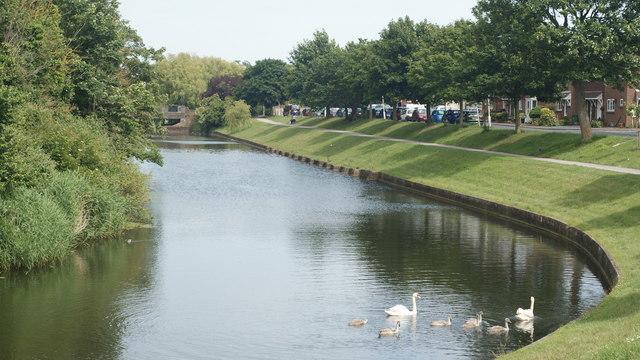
442	323
499	330
358	322
390	332
401	310
525	314
474	322
525	327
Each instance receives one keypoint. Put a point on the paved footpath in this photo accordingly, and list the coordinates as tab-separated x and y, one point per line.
572	130
617	169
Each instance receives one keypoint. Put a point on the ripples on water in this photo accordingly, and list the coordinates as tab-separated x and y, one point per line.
256	256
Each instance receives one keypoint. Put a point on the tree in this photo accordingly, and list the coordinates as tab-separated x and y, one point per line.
183	78
111	78
353	87
224	86
210	114
598	40
264	83
393	53
312	70
514	59
445	68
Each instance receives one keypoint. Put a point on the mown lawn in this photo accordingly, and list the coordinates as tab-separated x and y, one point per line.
606	205
605	150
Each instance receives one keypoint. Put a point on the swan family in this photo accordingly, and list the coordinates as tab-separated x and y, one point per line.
524	318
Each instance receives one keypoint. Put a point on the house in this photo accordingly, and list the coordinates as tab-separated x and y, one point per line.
605	103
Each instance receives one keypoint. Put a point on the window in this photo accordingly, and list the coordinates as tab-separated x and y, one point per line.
559	106
621	102
611	105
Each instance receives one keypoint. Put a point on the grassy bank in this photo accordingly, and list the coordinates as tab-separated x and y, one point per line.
605	150
603	204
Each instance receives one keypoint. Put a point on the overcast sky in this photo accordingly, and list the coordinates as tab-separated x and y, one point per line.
254	29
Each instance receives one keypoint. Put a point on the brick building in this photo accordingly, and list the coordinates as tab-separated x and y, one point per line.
603	102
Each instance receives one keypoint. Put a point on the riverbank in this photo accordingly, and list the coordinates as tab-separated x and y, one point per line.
604	205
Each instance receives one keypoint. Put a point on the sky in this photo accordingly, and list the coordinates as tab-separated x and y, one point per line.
250	30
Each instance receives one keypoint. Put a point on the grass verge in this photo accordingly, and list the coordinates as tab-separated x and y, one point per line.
604	150
605	205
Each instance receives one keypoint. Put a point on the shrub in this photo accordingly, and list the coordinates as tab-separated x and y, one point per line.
596	123
500	116
237	115
22	163
70	141
547	118
535	113
211	114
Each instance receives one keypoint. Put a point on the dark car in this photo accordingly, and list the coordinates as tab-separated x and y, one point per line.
451	116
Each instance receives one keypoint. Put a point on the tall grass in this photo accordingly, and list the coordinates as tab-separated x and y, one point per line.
43	224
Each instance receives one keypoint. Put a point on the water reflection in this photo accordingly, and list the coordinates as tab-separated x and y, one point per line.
257	256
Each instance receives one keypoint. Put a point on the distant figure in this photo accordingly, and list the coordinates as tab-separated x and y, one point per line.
292	121
415	116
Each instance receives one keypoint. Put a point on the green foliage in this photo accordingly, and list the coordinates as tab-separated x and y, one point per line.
445	68
184	77
237	115
535	113
34	229
393	53
21	164
546	117
34	55
634	111
211	114
76	104
596	123
313	77
265	83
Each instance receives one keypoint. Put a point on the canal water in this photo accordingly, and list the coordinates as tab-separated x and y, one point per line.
255	256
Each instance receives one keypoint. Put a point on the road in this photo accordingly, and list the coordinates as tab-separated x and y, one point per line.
616	169
573	130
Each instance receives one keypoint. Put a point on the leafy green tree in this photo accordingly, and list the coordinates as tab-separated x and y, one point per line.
515	59
445	68
353	83
312	76
183	78
265	83
597	40
237	115
393	53
111	76
210	114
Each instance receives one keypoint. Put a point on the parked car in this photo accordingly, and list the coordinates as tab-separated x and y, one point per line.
472	115
451	116
437	116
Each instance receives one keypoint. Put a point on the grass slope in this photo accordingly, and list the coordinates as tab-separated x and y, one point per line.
605	150
605	205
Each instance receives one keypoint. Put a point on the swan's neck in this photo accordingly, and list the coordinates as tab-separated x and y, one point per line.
414	310
397	327
479	319
532	302
506	325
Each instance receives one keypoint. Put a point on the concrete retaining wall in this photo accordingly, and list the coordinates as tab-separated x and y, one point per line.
585	244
